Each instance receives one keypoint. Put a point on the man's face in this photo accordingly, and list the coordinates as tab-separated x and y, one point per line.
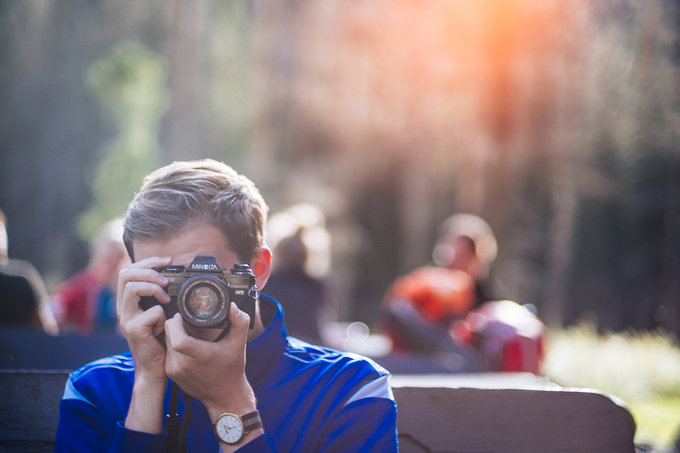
183	248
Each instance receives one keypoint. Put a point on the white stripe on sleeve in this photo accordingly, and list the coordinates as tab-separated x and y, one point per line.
378	388
71	393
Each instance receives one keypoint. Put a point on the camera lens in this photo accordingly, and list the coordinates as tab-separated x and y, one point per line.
202	302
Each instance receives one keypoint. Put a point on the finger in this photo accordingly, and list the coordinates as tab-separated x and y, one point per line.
238	317
129	274
151	262
147	324
142	270
178	340
128	303
178	357
240	322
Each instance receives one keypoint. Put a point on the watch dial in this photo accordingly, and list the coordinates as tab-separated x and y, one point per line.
229	429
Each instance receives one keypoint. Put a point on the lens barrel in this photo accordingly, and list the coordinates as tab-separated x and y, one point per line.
203	300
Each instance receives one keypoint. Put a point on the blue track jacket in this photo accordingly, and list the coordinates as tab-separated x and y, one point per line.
311	399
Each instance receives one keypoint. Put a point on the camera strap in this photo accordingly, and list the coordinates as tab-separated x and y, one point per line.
172	422
224	332
177	432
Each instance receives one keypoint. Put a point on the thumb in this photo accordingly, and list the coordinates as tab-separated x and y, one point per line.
240	321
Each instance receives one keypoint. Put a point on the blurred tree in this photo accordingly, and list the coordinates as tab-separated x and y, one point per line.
189	31
130	86
556	121
208	54
626	224
48	128
504	109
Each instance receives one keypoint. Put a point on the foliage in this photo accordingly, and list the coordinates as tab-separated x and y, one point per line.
129	85
556	121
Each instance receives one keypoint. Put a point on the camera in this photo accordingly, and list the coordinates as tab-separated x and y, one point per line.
203	291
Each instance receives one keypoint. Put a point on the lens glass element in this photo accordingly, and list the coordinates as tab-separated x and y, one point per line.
203	301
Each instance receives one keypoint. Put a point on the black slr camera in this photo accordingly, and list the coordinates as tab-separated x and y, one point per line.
202	292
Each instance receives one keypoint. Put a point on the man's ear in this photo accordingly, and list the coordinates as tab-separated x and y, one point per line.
262	265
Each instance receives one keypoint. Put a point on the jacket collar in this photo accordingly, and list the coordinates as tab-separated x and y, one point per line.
265	350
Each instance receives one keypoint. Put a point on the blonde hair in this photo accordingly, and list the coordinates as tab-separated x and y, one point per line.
174	196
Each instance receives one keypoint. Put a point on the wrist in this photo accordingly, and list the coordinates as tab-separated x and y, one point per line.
240	400
237	407
151	383
145	413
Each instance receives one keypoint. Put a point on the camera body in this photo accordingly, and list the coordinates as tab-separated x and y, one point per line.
203	291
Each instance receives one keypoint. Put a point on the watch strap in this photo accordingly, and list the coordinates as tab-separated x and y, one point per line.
251	421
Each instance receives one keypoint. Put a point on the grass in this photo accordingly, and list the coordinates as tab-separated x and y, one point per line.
643	369
658	419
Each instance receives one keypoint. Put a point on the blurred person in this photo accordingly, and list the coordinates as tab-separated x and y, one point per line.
22	291
86	302
242	384
300	279
467	243
448	307
446	291
507	335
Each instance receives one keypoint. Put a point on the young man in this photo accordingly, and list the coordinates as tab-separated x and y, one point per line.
255	389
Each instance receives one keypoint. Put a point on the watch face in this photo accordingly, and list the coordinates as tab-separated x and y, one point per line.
229	428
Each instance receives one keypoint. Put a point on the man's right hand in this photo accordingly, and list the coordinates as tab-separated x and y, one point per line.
141	329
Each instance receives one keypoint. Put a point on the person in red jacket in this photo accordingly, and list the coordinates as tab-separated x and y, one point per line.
86	302
448	306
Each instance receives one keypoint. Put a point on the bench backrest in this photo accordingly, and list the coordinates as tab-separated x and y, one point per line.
507	419
444	415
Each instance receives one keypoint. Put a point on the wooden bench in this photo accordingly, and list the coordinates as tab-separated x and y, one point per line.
461	414
29	409
28	350
457	413
507	413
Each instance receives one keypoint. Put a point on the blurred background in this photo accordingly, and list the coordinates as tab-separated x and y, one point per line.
557	122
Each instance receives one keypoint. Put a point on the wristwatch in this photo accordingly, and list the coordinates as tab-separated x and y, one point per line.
230	428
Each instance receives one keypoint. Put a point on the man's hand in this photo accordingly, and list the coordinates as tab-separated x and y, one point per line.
213	372
141	329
